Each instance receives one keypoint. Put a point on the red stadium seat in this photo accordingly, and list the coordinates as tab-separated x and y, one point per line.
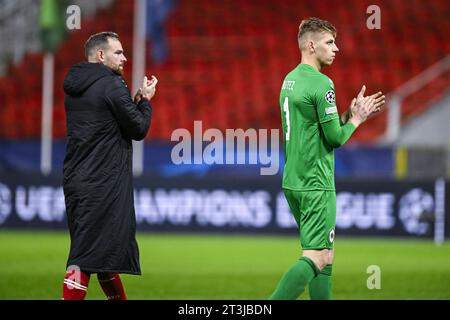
226	62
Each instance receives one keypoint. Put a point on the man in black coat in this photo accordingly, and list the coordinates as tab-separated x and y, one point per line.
102	121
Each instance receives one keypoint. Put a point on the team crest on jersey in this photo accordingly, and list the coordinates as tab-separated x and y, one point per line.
331	236
330	97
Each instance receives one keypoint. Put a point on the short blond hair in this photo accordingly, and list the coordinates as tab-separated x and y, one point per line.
314	25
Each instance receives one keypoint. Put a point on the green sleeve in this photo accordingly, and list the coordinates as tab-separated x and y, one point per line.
325	100
335	134
335	131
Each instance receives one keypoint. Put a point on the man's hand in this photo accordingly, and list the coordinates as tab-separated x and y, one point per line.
138	96
149	88
363	108
379	100
345	116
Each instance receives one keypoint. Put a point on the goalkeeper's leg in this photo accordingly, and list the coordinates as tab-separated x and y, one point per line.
302	273
320	287
295	280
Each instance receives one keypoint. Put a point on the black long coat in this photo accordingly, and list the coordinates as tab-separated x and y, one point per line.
102	120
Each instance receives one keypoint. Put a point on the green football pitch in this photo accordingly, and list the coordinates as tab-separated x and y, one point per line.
188	266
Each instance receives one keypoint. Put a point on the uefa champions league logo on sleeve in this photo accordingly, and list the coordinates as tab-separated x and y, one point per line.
416	211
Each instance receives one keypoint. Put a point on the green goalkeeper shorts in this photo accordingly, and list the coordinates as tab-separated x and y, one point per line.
315	213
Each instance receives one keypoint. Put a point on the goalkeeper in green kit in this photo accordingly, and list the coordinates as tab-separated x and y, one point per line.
312	129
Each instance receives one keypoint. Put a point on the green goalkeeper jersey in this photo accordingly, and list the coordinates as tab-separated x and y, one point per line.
307	101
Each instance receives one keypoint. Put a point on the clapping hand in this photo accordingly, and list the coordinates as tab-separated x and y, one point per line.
147	91
138	96
149	87
378	100
363	107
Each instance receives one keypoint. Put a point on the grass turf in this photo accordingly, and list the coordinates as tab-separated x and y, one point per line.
187	266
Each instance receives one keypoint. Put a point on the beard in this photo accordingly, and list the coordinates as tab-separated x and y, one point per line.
116	68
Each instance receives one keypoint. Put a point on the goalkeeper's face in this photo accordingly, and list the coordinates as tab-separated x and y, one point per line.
325	48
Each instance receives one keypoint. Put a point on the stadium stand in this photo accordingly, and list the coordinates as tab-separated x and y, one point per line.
226	68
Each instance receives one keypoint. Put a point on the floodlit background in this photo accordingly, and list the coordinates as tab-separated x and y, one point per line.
223	231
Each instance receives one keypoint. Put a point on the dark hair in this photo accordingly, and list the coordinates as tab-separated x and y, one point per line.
315	25
98	40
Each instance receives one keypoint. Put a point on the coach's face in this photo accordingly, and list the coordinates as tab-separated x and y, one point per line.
114	57
325	48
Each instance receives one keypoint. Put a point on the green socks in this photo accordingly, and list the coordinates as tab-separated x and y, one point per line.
320	286
295	280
